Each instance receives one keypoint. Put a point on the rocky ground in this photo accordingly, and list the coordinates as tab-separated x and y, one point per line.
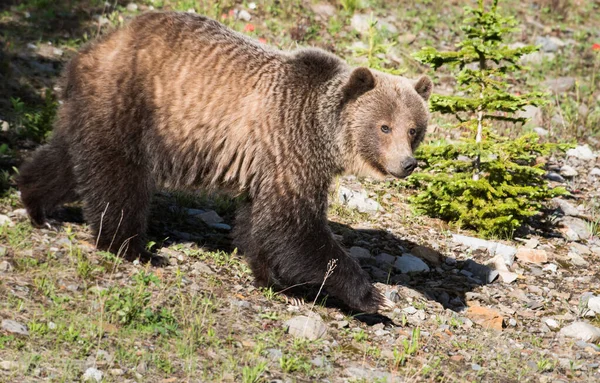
466	309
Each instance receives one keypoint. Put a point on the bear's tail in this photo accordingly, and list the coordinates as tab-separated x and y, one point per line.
47	180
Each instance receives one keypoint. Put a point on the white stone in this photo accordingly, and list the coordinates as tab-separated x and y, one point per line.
8	365
583	331
4	220
358	199
568	171
14	327
566	207
408	263
306	327
244	15
594	304
495	248
595	172
583	152
552	324
132	7
92	375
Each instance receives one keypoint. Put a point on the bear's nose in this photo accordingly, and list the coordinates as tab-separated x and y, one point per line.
409	165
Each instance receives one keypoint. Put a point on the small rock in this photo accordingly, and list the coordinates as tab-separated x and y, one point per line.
5	266
427	254
482	272
360	253
568	171
594	304
410	310
360	22
552	324
9	365
595	172
494	248
274	353
4	126
508	276
358	199
549	43
533	114
575	229
220	226
512	322
4	220
582	152
210	217
305	327
541	131
532	255
566	207
244	15
14	327
552	176
132	7
577	260
368	375
407	39
324	10
560	84
583	331
116	372
92	374
408	263
550	267
485	317
475	367
385	258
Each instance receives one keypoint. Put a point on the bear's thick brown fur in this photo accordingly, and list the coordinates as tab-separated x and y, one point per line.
178	100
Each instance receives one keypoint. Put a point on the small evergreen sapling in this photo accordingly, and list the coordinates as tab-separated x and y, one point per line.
485	181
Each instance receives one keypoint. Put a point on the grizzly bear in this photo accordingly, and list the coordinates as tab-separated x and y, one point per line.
178	100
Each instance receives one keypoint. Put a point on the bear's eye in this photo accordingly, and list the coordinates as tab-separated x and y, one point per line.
385	129
412	132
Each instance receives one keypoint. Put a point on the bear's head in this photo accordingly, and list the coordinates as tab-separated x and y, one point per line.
385	118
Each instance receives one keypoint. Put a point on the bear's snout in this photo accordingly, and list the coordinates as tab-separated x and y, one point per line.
409	164
404	167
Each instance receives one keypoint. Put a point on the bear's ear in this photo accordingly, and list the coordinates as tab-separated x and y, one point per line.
360	82
423	86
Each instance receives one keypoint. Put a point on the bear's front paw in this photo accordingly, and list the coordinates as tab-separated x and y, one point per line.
373	301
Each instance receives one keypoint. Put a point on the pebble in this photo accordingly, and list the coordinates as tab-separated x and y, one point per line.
595	172
481	272
305	327
533	114
385	258
552	176
14	327
594	304
210	217
494	248
358	199
427	254
132	7
244	15
360	253
367	374
532	255
5	266
582	152
560	84
9	365
568	171
92	375
582	331
4	220
575	229
566	207
577	259
408	263
552	324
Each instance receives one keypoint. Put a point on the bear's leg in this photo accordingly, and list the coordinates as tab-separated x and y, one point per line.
295	237
257	260
116	194
47	180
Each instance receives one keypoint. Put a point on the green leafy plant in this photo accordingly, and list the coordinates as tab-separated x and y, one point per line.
485	181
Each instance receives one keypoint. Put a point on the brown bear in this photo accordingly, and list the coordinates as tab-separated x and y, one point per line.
178	100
